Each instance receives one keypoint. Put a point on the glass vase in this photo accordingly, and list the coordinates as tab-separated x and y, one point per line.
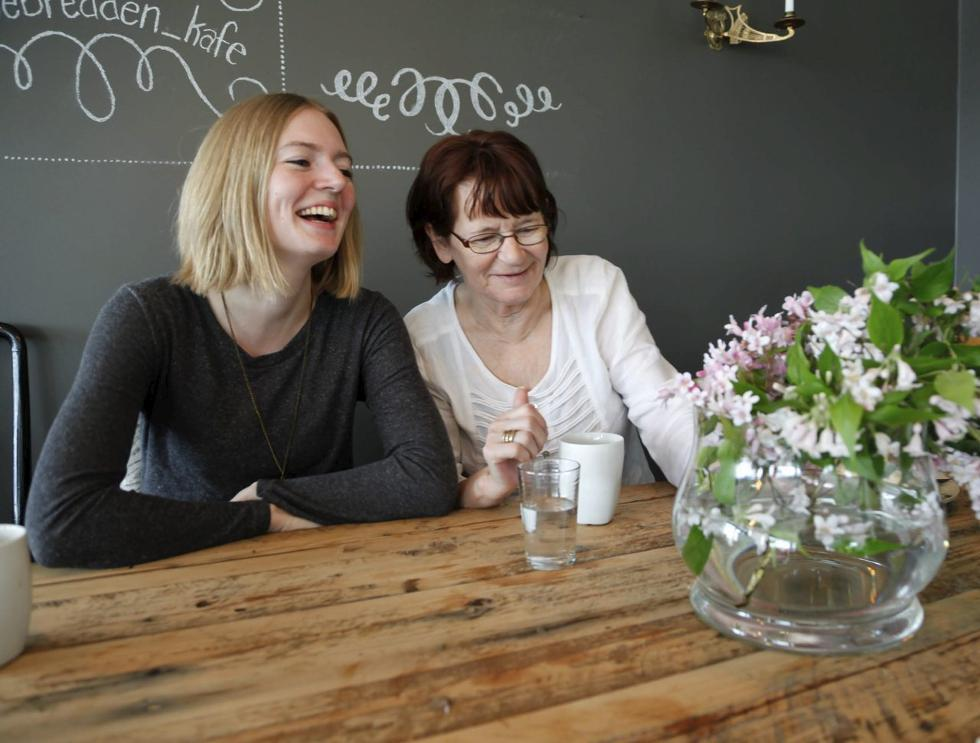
811	559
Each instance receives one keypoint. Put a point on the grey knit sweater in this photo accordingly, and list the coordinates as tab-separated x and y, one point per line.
158	351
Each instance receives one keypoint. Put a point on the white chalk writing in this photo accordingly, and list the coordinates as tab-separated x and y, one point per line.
131	161
257	4
447	97
217	42
24	76
282	48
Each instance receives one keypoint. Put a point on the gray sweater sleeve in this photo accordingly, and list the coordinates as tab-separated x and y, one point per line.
416	475
77	515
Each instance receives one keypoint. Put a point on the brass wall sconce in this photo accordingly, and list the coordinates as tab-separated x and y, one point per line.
731	22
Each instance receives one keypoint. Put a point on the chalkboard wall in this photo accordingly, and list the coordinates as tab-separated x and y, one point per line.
719	181
968	155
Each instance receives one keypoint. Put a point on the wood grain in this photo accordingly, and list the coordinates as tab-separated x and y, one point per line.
436	627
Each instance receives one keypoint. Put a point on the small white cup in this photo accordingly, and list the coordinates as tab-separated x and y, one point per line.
601	458
15	591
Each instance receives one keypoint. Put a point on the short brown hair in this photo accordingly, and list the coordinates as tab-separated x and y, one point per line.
508	182
222	222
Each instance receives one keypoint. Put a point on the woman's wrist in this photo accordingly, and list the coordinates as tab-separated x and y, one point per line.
280	520
482	490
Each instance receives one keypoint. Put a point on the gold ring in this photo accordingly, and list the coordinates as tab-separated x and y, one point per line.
508	436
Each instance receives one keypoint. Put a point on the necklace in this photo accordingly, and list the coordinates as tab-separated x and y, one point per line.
281	466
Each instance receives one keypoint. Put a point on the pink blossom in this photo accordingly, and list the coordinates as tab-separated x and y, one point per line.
914	447
950	305
798	305
886	447
882	288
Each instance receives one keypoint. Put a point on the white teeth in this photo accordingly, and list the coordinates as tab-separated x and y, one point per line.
328	213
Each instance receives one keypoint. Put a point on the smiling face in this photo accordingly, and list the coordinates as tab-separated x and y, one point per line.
310	192
505	279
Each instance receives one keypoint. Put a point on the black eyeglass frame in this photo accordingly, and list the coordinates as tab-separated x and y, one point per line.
503	236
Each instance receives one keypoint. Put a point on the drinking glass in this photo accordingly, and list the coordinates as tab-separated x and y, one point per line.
549	501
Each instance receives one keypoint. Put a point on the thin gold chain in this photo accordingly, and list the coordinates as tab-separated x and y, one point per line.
251	395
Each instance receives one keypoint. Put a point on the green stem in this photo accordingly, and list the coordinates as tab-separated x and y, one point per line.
757	576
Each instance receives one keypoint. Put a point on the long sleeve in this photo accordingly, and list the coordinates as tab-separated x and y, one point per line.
416	476
76	514
444	407
637	370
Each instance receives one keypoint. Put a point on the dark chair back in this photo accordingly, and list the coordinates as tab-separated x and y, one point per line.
22	419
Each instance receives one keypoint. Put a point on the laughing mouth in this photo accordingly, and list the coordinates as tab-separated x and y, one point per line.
319	213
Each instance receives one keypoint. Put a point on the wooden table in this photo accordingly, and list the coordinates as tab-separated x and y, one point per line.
436	626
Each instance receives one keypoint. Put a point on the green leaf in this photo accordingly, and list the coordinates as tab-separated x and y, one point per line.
734	439
870	547
723	482
696	550
934	280
866	465
826	298
895	397
907	306
956	386
969	355
845	415
707	455
893	415
897	269
885	327
771	406
870	262
828	363
920	395
922	365
811	387
969	446
936	349
798	370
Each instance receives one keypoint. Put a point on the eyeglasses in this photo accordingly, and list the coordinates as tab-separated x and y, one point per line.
488	242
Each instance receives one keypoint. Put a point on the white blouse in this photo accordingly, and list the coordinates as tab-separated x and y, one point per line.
604	373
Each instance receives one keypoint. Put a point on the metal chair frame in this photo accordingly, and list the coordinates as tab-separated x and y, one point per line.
21	419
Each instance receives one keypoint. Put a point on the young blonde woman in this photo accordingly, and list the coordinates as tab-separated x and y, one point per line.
245	368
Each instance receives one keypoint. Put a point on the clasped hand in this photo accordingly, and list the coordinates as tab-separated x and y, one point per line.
279	520
518	435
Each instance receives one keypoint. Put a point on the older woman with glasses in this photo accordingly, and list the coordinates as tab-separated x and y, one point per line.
522	347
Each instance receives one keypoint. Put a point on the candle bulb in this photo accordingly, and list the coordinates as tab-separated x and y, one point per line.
789	6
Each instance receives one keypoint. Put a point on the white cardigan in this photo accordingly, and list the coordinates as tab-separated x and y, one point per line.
604	372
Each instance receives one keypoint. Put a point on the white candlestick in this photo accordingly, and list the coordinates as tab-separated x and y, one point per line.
789	6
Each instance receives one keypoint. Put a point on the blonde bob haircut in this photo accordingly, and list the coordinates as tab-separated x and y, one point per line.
223	233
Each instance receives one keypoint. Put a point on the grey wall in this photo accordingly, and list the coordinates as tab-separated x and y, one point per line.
968	156
720	181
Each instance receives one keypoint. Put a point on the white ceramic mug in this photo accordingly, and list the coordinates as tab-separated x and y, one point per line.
15	591
601	458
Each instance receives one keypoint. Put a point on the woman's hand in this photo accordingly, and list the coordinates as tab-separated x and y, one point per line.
518	435
279	520
249	493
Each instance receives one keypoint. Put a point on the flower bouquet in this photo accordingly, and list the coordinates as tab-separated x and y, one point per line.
811	514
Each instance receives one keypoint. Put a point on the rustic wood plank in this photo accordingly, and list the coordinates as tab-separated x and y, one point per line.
921	697
410	629
259	662
699	702
143	603
272	544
